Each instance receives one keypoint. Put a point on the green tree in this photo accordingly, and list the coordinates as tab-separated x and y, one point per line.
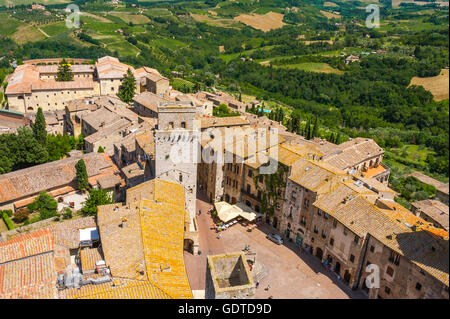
59	145
80	142
45	205
82	176
315	128
308	130
67	213
128	87
100	149
96	197
24	150
64	72
39	131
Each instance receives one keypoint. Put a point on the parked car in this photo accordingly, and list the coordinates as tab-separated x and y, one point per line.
275	238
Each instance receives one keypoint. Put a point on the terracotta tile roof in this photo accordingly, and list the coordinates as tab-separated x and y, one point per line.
46	85
155	77
163	234
434	209
29	244
302	149
26	78
285	155
141	191
100	118
362	218
67	233
146	142
111	68
89	257
119	288
375	184
155	226
111	171
250	142
149	100
76	68
314	175
109	181
406	217
207	122
107	130
125	260
132	170
145	69
21	80
353	152
128	143
29	278
62	258
32	180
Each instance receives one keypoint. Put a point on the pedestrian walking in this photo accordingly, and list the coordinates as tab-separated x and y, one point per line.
257	284
268	287
199	212
220	236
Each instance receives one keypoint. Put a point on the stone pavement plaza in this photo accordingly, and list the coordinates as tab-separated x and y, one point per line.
291	273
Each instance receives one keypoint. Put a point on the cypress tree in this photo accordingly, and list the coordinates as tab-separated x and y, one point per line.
281	115
39	131
82	176
100	149
307	130
315	129
289	125
295	124
128	87
338	139
64	72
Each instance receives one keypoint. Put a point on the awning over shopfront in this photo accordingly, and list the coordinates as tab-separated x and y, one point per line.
227	212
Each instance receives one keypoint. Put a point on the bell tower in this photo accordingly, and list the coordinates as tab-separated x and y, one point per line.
176	148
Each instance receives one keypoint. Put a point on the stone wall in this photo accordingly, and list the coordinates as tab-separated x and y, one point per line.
228	277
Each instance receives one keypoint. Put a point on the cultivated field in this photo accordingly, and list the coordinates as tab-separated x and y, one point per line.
330	4
396	3
8	24
135	18
55	28
330	15
265	22
27	33
26	2
311	67
224	23
437	85
95	17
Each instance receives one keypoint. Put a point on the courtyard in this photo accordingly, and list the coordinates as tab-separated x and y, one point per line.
290	272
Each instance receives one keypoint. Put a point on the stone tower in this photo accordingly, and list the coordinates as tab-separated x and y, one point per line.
176	148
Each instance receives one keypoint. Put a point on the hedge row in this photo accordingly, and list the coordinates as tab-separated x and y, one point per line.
8	221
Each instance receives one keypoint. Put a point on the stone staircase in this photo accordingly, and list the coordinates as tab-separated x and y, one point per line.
259	272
